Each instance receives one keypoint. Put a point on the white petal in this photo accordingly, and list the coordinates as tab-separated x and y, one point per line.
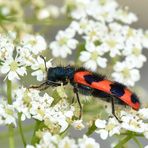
102	62
84	56
100	123
5	69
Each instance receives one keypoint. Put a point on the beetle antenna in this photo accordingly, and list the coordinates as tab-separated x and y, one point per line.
44	62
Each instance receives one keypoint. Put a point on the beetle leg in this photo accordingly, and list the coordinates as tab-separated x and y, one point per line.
113	109
42	86
45	85
44	63
78	99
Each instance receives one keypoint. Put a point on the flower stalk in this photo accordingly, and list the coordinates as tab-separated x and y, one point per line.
21	130
10	128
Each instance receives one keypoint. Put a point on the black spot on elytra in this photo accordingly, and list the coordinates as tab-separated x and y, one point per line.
134	98
117	89
93	78
106	97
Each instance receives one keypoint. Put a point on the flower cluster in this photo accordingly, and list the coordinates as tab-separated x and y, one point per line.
32	105
130	121
104	40
48	140
16	58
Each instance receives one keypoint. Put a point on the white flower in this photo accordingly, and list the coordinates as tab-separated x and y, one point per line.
114	43
7	114
59	114
125	16
30	146
77	124
145	39
133	123
54	11
13	68
43	14
92	57
39	104
47	140
39	67
34	43
80	26
134	56
31	103
81	7
6	47
95	31
125	73
67	142
64	43
143	113
109	128
103	11
50	11
87	142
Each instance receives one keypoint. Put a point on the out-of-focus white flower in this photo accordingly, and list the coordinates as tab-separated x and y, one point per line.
80	26
43	14
67	142
30	146
87	142
13	68
143	113
145	39
7	114
146	146
39	67
125	73
50	11
92	57
109	128
64	43
77	124
47	140
104	11
125	16
81	7
6	47
5	10
34	43
95	31
54	11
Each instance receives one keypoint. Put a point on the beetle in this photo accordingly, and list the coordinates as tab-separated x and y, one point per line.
89	83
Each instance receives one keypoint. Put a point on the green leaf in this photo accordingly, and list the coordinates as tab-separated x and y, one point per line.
91	129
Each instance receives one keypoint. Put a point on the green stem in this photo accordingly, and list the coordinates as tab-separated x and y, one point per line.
27	128
11	130
138	142
34	138
52	22
123	141
9	87
21	130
